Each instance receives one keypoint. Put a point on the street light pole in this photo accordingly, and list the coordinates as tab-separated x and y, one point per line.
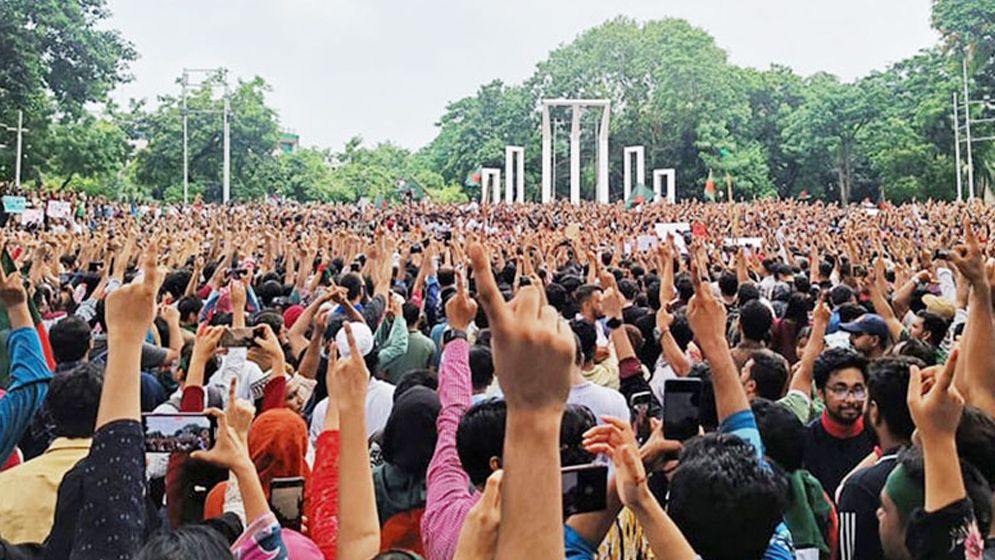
227	146
17	164
967	131
960	187
186	163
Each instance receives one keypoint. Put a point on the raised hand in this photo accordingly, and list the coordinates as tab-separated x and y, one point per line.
533	346
239	413
130	309
934	402
706	314
229	451
461	309
349	377
968	258
478	537
615	439
12	289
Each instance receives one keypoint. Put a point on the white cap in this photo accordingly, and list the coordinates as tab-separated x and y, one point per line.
363	336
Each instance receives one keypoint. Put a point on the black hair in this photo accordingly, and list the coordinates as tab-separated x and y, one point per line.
481	366
629	289
684	287
888	387
935	325
415	378
587	338
825	269
707	410
268	291
479	437
557	296
73	399
748	291
840	294
849	312
835	359
726	500
353	283
577	419
585	293
187	542
770	373
979	492
755	319
189	305
728	283
799	304
70	339
680	329
915	348
782	432
976	441
802	283
447	277
175	283
411	313
269	317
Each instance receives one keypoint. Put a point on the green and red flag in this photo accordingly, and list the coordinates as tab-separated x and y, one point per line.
710	187
640	195
473	178
10	268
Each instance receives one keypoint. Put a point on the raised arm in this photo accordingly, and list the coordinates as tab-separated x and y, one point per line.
359	526
707	317
28	370
533	356
801	380
978	378
878	288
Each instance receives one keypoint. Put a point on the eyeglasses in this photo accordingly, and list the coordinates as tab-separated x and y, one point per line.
841	391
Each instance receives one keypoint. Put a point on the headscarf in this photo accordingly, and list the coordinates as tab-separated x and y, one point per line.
278	445
410	434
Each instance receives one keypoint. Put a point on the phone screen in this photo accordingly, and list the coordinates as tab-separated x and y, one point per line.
585	488
639	404
681	408
286	499
179	432
243	337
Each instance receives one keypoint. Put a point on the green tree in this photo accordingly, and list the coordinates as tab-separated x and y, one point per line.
254	134
56	59
87	148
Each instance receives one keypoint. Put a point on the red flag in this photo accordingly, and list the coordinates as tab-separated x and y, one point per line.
698	229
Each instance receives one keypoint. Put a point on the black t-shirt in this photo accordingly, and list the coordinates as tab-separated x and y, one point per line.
632	313
859	500
829	458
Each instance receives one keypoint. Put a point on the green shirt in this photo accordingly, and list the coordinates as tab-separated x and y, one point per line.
420	355
805	409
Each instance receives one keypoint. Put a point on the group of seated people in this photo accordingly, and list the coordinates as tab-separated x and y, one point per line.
421	376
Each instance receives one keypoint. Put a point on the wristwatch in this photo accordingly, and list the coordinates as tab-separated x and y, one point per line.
451	335
613	323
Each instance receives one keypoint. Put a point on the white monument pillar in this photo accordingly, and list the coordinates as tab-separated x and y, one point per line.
671	175
640	153
514	191
490	183
575	156
547	155
603	154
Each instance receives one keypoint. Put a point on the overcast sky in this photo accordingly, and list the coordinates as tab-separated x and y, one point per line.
385	69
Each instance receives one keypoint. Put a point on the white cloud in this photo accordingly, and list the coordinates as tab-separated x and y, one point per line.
385	69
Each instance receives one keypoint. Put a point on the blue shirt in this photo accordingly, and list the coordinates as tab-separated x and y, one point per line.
26	394
744	425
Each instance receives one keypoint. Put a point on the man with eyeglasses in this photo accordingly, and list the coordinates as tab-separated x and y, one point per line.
837	440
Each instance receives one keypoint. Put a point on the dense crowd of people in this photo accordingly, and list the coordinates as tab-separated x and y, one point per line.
423	373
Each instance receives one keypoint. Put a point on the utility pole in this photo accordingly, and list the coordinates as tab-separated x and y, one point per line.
967	129
186	155
20	130
226	186
960	187
20	133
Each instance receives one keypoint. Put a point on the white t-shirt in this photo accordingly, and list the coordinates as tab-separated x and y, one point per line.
379	403
601	400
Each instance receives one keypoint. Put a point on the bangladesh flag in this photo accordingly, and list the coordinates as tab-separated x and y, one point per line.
10	268
710	187
639	196
472	178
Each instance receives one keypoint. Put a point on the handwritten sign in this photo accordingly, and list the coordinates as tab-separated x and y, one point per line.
59	209
14	204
